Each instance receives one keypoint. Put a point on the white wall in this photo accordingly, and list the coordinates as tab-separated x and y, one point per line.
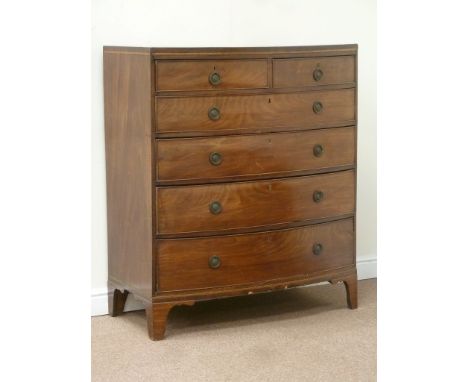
187	23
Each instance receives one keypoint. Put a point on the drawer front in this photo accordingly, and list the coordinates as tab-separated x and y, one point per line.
300	72
211	75
270	112
218	207
242	259
233	156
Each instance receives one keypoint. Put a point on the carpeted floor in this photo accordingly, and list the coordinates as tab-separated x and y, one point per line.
302	334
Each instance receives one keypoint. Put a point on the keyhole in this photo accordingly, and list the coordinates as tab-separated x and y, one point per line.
269	100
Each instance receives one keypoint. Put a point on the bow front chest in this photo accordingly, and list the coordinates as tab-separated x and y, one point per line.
230	171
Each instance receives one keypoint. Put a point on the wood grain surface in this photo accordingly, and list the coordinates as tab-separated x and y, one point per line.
262	112
299	72
188	159
128	127
194	75
185	209
259	257
161	182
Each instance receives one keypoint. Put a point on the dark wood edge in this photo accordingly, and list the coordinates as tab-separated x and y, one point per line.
269	89
154	174
113	283
255	229
155	242
220	59
246	131
266	132
239	178
270	285
250	55
251	91
271	52
211	92
158	136
254	180
301	224
355	146
299	57
155	264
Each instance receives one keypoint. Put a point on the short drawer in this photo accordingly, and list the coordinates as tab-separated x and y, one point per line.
241	259
211	75
265	112
221	207
301	72
201	159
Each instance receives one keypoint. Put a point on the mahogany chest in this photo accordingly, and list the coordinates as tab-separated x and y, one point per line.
230	171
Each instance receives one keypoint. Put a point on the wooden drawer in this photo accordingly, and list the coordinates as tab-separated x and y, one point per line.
261	112
242	259
203	75
302	72
189	209
201	159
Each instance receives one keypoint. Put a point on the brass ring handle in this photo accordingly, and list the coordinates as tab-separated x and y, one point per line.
317	249
214	113
318	150
318	196
317	107
214	262
216	208
216	158
318	74
214	78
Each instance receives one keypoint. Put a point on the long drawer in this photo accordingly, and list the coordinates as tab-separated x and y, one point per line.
211	75
241	259
260	112
201	159
220	207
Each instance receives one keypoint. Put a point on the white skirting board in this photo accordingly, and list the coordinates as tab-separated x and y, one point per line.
366	269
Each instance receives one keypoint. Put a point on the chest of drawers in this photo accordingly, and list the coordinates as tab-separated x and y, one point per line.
230	171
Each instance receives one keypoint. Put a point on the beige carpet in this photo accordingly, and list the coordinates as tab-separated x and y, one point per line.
302	334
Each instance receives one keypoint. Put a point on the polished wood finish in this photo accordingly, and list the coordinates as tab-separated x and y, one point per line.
265	112
351	291
128	127
194	75
246	289
251	258
299	72
278	195
187	160
156	317
186	209
350	281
